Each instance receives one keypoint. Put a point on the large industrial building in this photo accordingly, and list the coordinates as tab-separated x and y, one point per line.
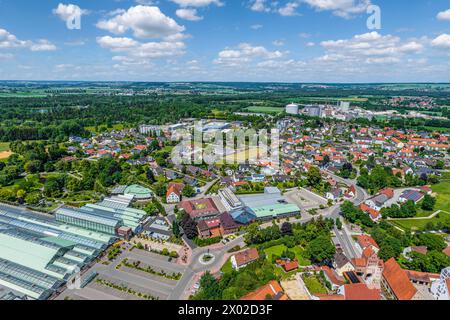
39	254
292	108
271	204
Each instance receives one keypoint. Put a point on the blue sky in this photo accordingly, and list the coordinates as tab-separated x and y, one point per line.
225	40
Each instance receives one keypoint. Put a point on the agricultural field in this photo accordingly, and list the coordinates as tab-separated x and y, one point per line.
268	110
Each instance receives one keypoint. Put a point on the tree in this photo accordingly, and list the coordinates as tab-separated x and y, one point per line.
161	189
176	229
314	177
320	250
428	203
286	229
209	288
188	191
338	224
431	241
150	176
189	227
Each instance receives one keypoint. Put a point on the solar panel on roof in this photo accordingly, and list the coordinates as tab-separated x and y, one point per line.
352	277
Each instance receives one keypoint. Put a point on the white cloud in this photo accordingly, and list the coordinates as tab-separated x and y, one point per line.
342	8
372	44
197	3
278	43
42	45
139	52
444	15
10	41
259	6
289	10
256	26
442	41
67	12
188	14
246	53
144	21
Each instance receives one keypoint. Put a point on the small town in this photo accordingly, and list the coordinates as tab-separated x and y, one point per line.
352	212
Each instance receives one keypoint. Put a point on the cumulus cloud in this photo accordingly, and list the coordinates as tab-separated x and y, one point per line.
188	14
245	53
342	8
444	15
442	41
197	3
289	10
371	45
42	45
10	41
131	50
259	6
144	21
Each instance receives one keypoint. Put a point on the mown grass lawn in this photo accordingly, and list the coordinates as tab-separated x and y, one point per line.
314	285
278	251
417	224
227	267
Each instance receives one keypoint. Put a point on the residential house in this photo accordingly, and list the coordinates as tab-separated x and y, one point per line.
173	194
244	258
342	263
410	195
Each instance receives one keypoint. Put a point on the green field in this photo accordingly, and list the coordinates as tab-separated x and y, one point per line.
442	203
268	110
418	224
278	251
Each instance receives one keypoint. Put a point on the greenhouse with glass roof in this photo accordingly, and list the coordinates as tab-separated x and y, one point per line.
38	254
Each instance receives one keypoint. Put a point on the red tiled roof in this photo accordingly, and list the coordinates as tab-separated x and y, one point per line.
332	276
398	280
246	256
388	192
359	291
330	297
199	207
272	289
288	265
365	241
421	276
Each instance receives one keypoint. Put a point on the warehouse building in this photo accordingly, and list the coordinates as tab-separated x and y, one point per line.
269	205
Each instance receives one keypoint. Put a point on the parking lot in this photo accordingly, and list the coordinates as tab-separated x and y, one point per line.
305	199
122	281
